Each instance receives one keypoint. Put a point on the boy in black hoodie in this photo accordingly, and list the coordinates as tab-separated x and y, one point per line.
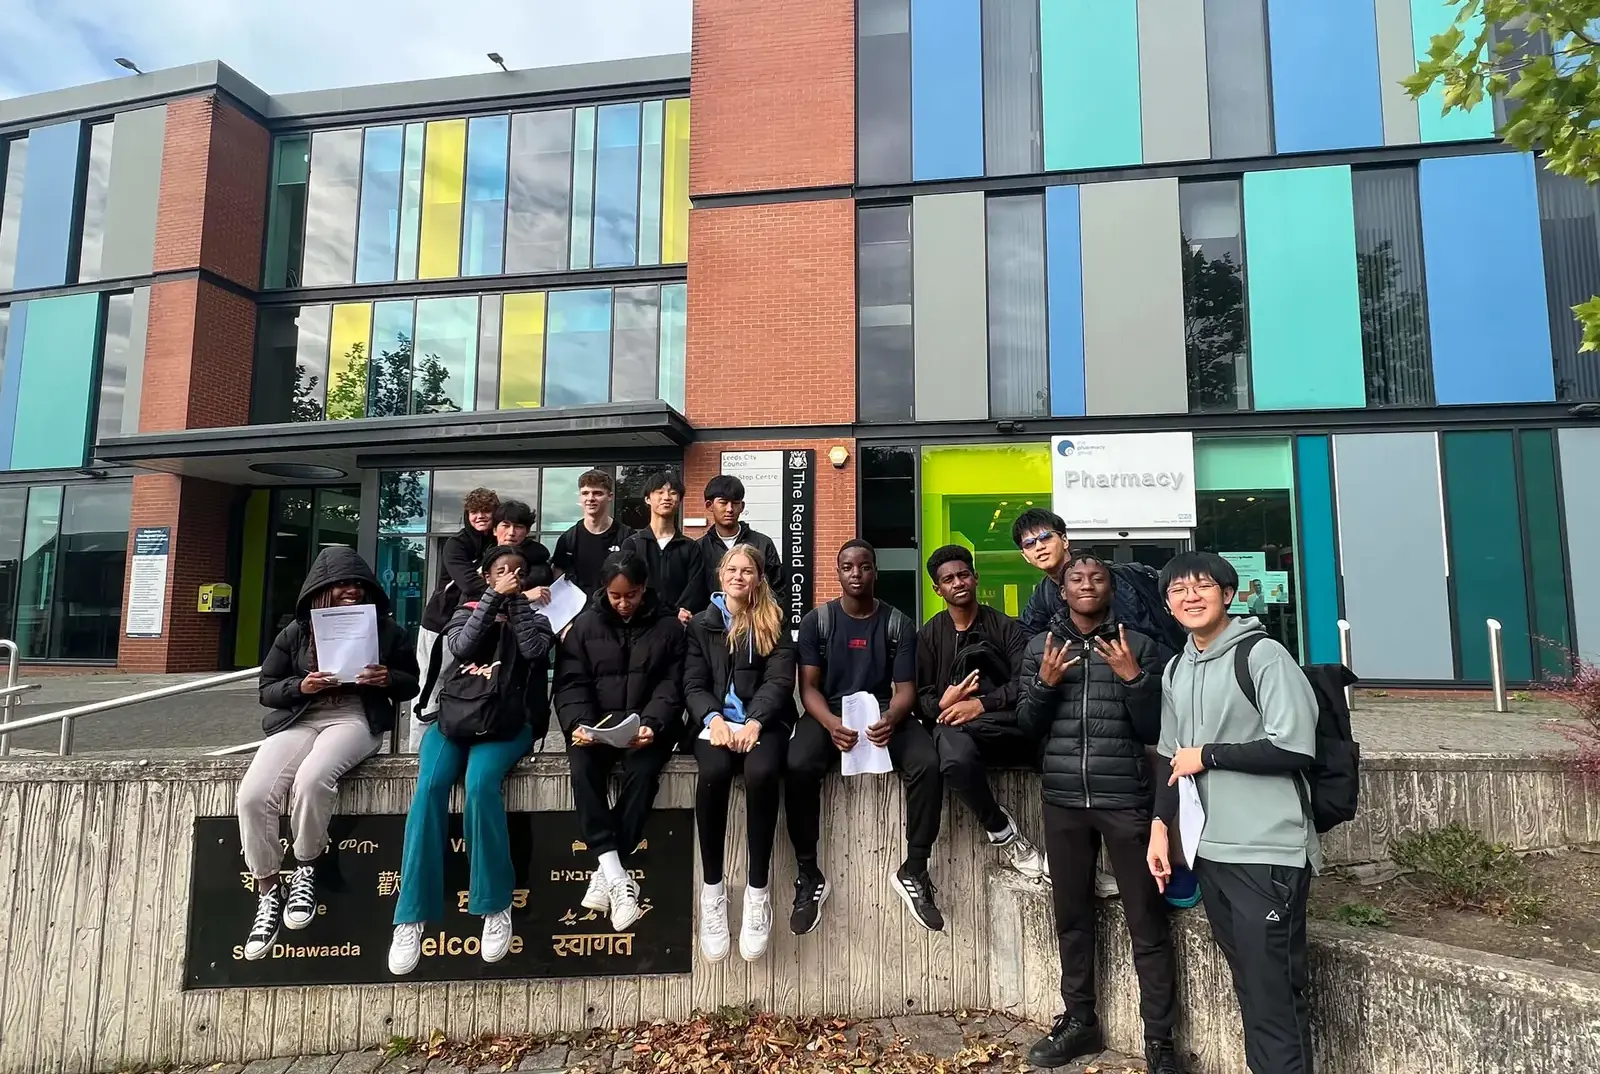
724	505
459	582
676	565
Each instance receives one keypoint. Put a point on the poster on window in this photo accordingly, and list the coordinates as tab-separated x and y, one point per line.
147	581
1251	599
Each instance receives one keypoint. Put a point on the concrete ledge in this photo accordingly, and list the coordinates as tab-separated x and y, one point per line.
1382	1004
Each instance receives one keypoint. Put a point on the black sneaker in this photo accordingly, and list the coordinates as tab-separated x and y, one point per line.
269	915
301	907
1161	1056
811	890
917	889
1070	1038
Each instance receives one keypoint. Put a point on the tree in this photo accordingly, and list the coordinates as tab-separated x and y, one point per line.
1394	336
1213	327
1543	58
390	393
432	396
347	398
305	405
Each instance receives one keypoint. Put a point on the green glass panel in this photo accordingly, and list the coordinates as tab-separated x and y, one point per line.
1090	83
252	579
56	394
1486	555
1552	632
1246	462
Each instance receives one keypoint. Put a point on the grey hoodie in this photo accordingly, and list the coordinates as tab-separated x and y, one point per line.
1250	819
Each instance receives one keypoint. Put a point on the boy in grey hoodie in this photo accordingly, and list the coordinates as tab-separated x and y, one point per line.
1258	847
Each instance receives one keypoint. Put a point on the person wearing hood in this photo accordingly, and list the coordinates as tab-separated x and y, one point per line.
488	719
738	682
317	730
459	582
622	656
1258	846
675	563
724	505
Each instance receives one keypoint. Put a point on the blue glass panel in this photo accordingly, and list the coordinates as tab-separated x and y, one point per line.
616	186
1325	87
946	89
377	236
650	186
44	238
483	235
582	187
11	380
578	347
411	201
389	374
1064	286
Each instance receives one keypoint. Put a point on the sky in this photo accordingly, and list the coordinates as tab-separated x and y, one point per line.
288	45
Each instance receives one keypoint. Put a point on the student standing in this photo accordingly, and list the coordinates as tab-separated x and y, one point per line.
493	640
622	656
739	683
724	506
582	551
1092	697
317	730
968	659
1258	848
459	582
674	562
858	644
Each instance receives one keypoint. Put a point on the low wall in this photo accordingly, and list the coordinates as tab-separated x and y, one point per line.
96	857
1380	1004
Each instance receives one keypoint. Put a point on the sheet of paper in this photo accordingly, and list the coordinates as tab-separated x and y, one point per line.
860	711
566	601
616	731
1191	818
347	639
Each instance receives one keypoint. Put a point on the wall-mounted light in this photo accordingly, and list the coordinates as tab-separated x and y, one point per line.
127	65
499	61
838	455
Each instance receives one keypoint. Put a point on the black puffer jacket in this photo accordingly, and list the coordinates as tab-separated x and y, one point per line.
472	637
290	661
1092	726
607	666
764	684
712	549
459	576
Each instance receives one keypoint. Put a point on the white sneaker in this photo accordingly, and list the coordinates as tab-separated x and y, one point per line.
301	909
755	925
598	897
405	949
624	900
496	936
1105	885
264	930
1024	856
714	939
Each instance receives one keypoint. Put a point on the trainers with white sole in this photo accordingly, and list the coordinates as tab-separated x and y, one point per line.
264	930
1022	855
598	895
405	949
624	894
496	936
301	908
714	939
755	924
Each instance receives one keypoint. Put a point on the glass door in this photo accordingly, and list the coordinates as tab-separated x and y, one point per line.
1152	553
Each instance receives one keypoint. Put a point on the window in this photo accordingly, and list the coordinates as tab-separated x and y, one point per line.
635	345
389	381
483	236
40	559
410	201
14	156
1248	522
1569	218
582	250
331	196
578	348
540	191
13	513
522	351
86	618
1013	138
1237	79
650	176
883	91
115	374
1019	353
349	357
616	186
674	339
1213	296
442	378
883	267
291	166
377	239
443	178
1389	273
96	194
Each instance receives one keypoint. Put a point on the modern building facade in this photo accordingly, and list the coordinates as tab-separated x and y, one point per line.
962	252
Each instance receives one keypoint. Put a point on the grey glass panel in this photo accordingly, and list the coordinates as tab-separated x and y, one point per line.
5	330
96	196
85	622
1237	79
488	392
133	202
334	189
1013	140
1394	318
582	243
450	488
1019	352
1173	105
883	91
1580	461
114	365
883	270
15	155
13	511
1524	46
309	387
1397	58
411	201
41	555
635	343
446	355
949	293
540	191
1213	296
1569	219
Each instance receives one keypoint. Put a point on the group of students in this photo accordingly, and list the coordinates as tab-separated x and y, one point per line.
1106	662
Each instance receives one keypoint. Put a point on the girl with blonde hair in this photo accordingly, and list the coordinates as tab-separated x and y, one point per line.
739	675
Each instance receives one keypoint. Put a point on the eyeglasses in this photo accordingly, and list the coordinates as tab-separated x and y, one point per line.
1035	540
1199	589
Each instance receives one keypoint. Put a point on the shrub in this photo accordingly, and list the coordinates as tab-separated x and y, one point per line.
1460	869
1580	692
1362	915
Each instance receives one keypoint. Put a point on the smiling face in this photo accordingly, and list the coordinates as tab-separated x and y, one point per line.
663	502
1045	549
625	596
510	533
345	593
1198	603
1087	587
594	500
956	583
480	520
858	572
739	576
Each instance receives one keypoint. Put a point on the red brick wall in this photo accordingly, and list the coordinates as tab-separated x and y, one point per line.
772	95
198	354
772	317
212	209
836	497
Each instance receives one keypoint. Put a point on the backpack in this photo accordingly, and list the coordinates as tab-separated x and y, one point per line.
1137	601
1332	784
898	624
978	653
484	702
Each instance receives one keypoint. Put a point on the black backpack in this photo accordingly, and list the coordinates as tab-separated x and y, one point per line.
899	624
484	702
978	653
1137	601
1334	778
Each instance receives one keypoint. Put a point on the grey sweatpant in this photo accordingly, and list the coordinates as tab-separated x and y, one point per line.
302	763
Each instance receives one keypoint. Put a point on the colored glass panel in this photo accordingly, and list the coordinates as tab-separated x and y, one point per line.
1429	17
635	346
56	387
1019	349
1090	83
389	377
411	202
1325	84
286	228
522	351
41	555
349	358
675	185
14	155
1245	462
378	235
578	347
674	338
883	91
44	236
581	250
616	186
484	228
442	378
96	198
540	194
487	396
884	328
1319	585
444	158
252	579
1547	567
650	148
1389	271
946	89
331	198
1213	296
1064	286
1487	576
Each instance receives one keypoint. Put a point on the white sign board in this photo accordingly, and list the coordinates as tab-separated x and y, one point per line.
1123	481
762	474
147	581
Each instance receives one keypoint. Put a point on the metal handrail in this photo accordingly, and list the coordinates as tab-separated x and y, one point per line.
69	717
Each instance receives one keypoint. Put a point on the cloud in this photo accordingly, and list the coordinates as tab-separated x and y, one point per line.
288	45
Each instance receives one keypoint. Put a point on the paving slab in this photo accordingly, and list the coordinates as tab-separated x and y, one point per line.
553	1057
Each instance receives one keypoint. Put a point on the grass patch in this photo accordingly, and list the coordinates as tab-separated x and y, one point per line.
1458	868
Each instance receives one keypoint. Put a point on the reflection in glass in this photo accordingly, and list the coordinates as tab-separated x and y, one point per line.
444	162
335	187
488	371
675	184
311	363
113	365
650	184
389	387
522	351
13	512
635	347
1255	520
377	238
578	347
5	330
616	186
403	502
1013	126
1213	296
558	503
286	230
883	237
484	227
403	572
1569	218
1237	78
442	378
1019	353
674	326
1389	274
40	540
540	193
883	92
87	614
338	518
349	355
290	554
14	154
582	188
410	202
450	488
888	497
630	505
96	194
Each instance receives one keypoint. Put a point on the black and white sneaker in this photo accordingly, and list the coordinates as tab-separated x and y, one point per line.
917	889
301	907
269	915
811	890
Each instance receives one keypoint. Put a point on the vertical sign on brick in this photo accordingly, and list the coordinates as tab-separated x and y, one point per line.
780	500
147	587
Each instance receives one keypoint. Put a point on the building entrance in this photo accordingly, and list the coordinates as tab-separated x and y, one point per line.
1152	553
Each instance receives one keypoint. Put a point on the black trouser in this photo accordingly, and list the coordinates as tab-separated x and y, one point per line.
620	827
1258	917
968	750
763	786
1072	843
812	756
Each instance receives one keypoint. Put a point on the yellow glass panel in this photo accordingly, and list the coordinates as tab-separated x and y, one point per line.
349	350
675	185
522	351
443	164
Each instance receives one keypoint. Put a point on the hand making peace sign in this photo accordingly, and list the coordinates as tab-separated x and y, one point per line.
1055	662
1119	656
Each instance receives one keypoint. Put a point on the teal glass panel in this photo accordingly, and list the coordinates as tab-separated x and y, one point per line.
578	347
41	554
378	234
1429	17
650	184
1090	83
483	232
1319	583
410	202
1487	576
674	322
581	250
286	225
1547	565
57	387
389	375
442	378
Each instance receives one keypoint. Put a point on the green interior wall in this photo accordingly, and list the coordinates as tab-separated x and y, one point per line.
252	579
1547	567
1487	576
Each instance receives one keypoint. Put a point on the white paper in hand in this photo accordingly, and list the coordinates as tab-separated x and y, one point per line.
566	601
615	731
859	712
1191	818
347	639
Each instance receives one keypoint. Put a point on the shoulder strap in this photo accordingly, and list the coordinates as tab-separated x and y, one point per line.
824	621
898	621
1241	668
